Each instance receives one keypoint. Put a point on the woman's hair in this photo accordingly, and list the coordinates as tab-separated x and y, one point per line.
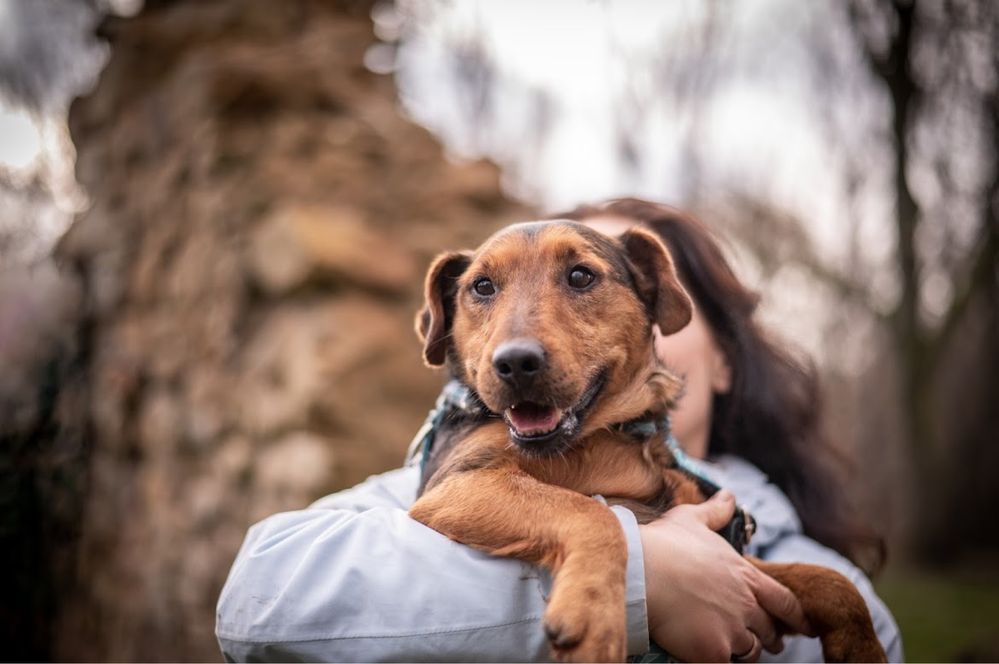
771	414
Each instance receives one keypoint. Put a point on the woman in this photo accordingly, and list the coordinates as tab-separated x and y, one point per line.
353	578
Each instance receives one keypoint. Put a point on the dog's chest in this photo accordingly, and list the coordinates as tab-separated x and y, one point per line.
607	464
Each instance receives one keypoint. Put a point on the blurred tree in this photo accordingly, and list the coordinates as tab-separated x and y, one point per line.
47	55
939	65
235	337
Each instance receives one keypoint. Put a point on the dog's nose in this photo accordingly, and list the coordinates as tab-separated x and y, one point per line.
518	361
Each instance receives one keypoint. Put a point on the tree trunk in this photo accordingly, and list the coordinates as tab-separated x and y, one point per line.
251	263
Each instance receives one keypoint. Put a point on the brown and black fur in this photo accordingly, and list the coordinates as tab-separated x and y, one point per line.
489	489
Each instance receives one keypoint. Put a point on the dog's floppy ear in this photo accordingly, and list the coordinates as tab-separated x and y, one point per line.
656	280
433	322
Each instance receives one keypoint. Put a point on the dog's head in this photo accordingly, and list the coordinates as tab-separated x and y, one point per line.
551	323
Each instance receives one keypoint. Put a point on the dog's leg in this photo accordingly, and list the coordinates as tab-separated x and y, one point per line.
506	512
835	609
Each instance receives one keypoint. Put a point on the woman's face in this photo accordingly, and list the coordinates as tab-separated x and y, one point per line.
692	354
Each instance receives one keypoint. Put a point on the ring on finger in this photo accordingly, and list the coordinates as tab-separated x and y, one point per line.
752	654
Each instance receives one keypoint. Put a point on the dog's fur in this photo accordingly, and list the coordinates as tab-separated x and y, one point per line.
494	488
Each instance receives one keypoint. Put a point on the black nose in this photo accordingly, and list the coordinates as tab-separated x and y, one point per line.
518	361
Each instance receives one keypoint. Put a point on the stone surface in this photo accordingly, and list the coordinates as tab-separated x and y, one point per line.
300	245
251	263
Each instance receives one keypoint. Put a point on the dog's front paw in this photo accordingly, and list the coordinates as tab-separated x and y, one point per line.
587	625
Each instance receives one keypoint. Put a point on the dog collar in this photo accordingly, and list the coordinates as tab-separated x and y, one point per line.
455	400
458	401
646	427
736	532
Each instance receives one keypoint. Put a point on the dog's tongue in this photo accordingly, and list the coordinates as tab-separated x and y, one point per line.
530	419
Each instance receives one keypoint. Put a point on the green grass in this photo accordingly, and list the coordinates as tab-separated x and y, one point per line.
945	616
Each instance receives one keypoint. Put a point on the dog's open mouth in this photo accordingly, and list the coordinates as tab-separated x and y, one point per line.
533	421
534	424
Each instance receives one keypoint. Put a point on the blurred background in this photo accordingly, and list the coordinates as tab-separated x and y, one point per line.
215	216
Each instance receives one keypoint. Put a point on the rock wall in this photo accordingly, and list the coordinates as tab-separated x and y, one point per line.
261	218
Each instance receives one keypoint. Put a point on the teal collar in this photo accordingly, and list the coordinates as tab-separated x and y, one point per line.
647	426
739	530
456	399
458	402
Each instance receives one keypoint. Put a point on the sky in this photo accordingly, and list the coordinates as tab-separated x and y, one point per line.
759	129
47	57
763	129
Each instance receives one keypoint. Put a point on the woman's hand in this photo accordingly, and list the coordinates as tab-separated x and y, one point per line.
706	602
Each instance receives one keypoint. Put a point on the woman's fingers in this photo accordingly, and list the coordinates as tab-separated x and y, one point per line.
716	511
749	649
759	623
773	598
781	603
706	602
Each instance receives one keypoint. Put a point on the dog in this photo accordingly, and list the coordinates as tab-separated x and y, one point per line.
549	327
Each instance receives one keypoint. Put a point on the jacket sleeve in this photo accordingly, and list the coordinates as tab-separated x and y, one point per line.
353	578
801	549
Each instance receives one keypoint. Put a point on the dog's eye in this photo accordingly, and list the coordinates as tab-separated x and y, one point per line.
484	287
580	277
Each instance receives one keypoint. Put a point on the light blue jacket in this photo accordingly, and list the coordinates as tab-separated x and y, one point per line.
353	578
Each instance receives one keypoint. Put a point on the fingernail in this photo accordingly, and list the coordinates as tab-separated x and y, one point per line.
725	495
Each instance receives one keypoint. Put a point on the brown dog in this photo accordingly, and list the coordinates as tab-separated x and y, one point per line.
550	326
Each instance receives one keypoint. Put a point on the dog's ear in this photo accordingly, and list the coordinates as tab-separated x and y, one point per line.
656	280
433	322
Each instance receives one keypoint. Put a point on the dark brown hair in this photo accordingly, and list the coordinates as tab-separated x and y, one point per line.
771	416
